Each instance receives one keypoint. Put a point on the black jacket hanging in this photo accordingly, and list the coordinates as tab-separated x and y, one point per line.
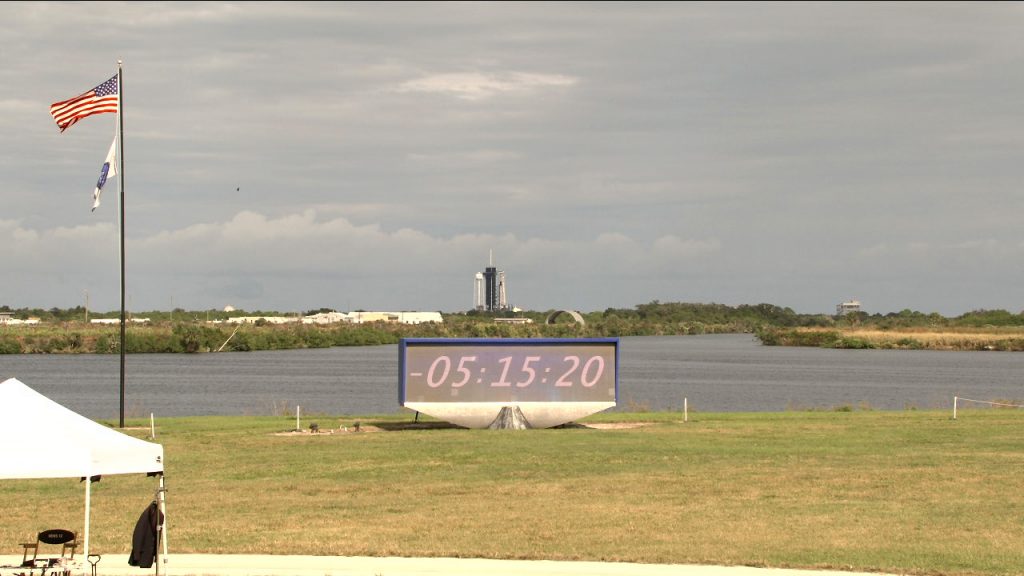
144	539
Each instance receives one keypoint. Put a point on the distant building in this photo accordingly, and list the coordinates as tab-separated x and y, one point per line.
845	308
326	318
397	317
265	319
117	320
8	319
489	289
363	317
342	317
513	320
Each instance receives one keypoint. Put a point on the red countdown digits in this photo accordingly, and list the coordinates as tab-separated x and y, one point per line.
506	370
441	368
578	375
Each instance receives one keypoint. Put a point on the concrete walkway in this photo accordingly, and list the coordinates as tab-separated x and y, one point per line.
272	565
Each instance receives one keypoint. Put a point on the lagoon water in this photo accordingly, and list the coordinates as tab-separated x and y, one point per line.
714	373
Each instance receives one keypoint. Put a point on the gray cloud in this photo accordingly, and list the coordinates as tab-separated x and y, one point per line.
370	155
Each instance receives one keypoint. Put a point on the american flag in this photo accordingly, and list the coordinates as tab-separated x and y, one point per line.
100	99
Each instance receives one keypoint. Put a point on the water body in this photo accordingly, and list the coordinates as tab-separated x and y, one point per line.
715	373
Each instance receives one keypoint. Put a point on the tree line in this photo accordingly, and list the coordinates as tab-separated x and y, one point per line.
178	330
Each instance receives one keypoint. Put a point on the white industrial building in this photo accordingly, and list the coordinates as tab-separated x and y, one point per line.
8	319
363	317
346	317
847	307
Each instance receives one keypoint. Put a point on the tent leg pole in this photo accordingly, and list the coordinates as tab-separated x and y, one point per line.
88	499
163	525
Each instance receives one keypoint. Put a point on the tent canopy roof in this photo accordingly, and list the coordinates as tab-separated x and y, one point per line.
39	438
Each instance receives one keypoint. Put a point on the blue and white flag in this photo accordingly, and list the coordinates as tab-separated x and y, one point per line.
107	171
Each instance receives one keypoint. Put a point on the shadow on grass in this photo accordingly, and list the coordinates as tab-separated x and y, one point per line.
391	426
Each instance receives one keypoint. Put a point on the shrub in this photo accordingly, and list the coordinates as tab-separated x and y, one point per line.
10	345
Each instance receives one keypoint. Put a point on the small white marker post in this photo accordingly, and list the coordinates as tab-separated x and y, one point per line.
954	407
686	410
152	427
297	427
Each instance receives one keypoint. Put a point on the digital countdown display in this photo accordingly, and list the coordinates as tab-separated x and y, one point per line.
492	372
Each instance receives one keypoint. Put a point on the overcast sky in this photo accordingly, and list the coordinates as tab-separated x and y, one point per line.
293	156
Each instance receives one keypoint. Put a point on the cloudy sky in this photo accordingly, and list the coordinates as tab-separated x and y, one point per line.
292	156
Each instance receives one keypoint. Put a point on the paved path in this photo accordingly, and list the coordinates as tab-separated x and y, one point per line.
272	565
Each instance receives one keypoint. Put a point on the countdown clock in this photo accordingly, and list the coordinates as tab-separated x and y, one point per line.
468	381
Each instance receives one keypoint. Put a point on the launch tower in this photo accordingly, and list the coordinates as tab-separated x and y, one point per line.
489	289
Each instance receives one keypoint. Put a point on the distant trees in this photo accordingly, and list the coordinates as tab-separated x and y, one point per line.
65	331
989	318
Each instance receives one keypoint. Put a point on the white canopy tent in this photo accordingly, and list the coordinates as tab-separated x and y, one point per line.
87	449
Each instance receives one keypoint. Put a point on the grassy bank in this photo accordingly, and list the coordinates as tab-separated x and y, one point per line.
913	492
993	339
161	338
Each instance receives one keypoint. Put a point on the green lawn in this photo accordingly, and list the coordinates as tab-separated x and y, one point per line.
914	492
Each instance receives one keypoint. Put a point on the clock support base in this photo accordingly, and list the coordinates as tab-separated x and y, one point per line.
510	418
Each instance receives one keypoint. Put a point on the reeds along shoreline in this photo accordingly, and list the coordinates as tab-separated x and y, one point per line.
166	337
853	338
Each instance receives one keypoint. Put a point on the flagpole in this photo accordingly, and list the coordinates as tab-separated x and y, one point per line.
120	190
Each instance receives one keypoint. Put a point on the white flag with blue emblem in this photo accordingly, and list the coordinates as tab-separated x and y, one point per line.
107	171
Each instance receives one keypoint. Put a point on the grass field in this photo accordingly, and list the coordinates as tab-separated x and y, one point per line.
911	492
